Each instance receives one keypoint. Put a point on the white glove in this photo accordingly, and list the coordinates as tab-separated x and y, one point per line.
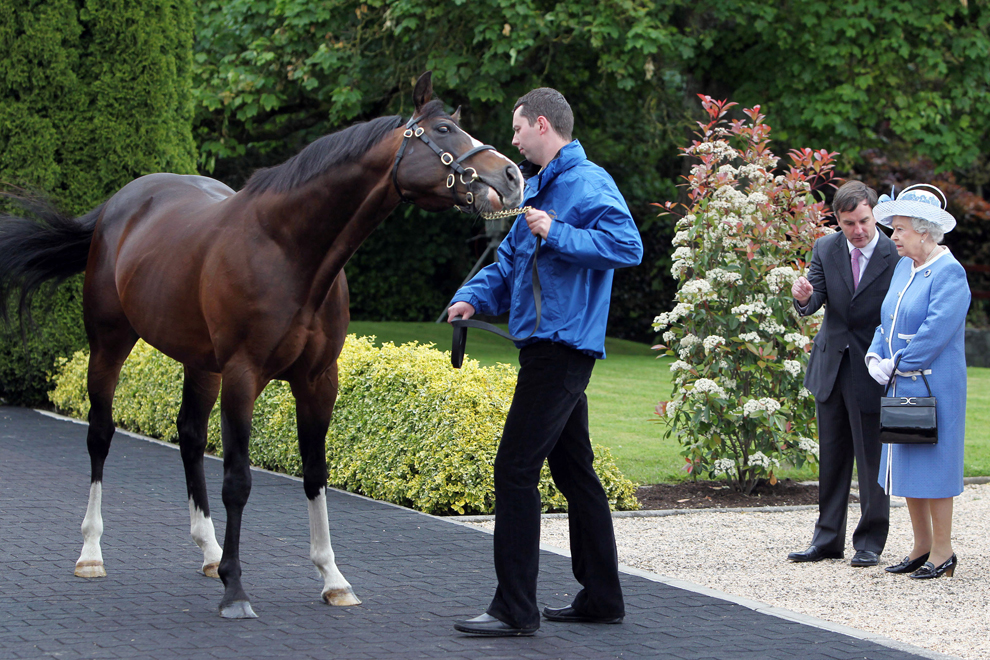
887	367
873	365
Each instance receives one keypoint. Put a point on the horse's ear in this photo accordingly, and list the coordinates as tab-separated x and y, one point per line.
457	115
423	91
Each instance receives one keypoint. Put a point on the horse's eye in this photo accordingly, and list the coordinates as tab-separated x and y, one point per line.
443	129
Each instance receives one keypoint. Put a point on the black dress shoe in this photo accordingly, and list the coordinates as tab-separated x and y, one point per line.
930	570
570	615
489	626
813	553
865	558
908	565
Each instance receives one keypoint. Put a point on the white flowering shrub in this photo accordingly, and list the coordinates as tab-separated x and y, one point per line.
738	406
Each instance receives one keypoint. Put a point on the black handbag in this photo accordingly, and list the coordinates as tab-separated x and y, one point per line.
908	419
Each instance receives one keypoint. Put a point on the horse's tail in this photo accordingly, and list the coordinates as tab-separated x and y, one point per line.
45	245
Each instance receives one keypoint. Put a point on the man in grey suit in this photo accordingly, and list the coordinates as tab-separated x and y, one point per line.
850	274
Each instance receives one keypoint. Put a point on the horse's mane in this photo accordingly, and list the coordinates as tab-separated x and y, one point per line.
328	151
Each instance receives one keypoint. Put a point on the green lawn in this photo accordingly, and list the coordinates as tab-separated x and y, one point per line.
626	386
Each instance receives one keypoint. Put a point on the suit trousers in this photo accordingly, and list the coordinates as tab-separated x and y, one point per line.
548	420
846	432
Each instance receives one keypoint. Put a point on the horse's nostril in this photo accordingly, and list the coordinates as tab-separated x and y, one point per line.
510	172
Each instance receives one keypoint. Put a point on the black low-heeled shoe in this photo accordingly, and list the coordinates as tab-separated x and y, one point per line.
929	570
908	565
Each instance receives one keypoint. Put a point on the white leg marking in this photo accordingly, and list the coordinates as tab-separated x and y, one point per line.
90	562
336	589
201	529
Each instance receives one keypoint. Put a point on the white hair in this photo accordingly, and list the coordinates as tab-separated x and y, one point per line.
923	226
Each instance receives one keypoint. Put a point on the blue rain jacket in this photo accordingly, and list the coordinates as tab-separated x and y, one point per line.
592	233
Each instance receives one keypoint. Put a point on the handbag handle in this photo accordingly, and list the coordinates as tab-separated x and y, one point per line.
893	374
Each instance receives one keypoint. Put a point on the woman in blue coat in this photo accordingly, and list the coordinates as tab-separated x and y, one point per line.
922	323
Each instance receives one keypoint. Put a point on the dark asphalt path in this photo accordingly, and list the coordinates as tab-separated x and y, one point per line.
414	573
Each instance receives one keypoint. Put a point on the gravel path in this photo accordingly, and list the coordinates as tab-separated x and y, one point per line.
745	554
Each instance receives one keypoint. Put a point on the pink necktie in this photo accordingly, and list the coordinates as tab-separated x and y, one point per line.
854	261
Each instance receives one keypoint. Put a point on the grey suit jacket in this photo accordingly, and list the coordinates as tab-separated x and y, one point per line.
851	317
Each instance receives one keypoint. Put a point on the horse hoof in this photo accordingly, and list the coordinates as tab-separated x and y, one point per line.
90	568
340	597
210	570
239	609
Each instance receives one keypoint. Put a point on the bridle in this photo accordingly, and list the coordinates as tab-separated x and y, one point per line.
413	129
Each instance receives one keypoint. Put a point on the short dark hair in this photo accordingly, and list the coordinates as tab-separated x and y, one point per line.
551	104
851	194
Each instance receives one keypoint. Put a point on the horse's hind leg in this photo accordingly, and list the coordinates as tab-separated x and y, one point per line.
314	405
107	355
199	393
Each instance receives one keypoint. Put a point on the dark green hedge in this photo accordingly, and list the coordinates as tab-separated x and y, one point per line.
92	95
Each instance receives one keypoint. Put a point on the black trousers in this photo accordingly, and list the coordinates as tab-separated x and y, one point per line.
548	420
845	432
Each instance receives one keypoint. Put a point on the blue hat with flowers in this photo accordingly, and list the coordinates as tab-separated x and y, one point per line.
921	200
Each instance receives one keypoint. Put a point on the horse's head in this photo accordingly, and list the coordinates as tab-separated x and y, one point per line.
439	165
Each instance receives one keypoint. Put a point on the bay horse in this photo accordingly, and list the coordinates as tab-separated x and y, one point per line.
244	288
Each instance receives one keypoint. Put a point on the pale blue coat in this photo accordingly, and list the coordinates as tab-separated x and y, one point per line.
923	319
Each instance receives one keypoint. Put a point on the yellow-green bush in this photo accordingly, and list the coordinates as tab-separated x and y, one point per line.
407	427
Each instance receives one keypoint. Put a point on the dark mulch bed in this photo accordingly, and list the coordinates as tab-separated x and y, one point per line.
717	495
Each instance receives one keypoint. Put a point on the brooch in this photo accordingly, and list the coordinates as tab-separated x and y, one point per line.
928	272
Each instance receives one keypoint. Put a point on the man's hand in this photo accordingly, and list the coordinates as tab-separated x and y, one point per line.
460	308
802	290
539	222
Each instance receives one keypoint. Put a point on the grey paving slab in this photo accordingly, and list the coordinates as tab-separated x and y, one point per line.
414	573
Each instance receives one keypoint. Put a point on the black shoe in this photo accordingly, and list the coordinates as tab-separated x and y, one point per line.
489	626
908	565
570	615
813	553
865	558
929	570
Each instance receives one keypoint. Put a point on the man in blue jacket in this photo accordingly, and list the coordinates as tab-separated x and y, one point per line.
586	231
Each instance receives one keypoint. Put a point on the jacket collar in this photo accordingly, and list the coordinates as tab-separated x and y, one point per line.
570	154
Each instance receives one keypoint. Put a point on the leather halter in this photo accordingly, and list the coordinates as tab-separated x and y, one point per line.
413	129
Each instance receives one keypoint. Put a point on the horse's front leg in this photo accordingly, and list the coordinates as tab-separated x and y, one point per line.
314	406
236	408
199	393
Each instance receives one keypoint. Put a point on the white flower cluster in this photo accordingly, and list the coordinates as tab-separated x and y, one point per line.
720	148
673	316
681	238
771	327
672	407
696	290
679	268
729	383
796	338
708	386
808	445
688	342
712	341
680	365
682	252
805	393
751	337
753	172
793	367
756	405
762	460
721	276
669	336
781	277
723	466
756	308
758	198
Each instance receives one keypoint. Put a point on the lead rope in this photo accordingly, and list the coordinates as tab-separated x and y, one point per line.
461	325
